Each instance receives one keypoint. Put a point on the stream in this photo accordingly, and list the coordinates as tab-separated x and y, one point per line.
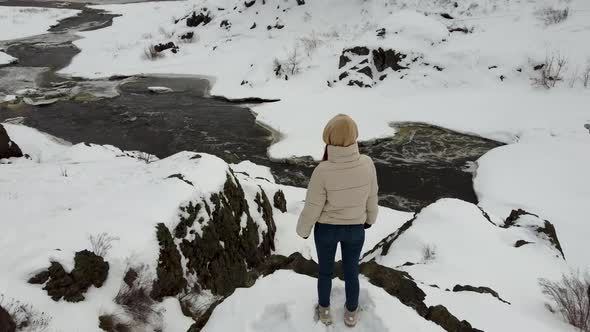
417	166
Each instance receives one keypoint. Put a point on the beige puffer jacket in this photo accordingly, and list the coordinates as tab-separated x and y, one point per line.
341	191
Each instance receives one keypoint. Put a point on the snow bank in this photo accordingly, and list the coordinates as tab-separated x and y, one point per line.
53	201
546	176
21	22
6	59
468	249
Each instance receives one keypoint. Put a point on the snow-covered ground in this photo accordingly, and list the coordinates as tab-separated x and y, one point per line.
484	86
21	22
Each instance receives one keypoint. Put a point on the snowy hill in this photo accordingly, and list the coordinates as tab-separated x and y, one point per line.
95	238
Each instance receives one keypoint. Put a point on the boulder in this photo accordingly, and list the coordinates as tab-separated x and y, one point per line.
7	323
441	316
388	59
196	20
89	270
279	201
170	277
8	148
480	290
358	50
367	71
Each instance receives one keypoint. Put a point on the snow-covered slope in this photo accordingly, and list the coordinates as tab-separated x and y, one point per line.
21	22
6	59
474	79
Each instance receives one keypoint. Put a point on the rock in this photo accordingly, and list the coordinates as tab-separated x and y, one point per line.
229	245
521	243
343	61
441	316
204	318
7	323
382	77
447	16
196	20
89	270
168	46
587	126
396	283
551	233
388	59
225	24
542	226
170	277
463	30
159	89
343	76
367	71
539	67
253	26
382	248
381	33
8	148
188	36
481	290
358	50
300	2
279	201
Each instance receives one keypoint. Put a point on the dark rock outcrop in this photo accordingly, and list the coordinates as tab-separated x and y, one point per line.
279	201
7	323
343	61
521	243
441	316
388	59
187	36
547	228
396	283
382	248
367	71
167	46
8	148
358	50
89	270
480	290
169	271
196	20
249	4
228	245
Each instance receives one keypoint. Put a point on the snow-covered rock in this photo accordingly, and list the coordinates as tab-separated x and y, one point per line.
6	59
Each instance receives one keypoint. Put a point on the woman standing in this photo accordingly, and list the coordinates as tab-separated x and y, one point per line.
341	202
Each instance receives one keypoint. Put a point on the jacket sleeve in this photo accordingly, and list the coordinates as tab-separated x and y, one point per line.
314	204
373	201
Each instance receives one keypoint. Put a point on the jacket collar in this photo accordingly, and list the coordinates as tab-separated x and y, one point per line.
343	154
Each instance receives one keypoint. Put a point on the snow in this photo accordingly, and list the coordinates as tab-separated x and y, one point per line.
467	96
6	59
15	22
65	193
275	305
469	250
546	176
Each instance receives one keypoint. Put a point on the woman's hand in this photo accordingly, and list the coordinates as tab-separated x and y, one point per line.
367	226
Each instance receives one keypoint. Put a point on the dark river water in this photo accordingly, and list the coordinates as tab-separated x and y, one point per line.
417	166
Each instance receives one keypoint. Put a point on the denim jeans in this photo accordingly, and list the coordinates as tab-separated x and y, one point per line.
351	238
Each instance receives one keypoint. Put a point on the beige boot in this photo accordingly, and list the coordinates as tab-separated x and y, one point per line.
324	315
350	317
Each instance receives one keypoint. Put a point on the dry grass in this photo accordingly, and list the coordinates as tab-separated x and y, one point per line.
26	317
551	71
550	15
102	243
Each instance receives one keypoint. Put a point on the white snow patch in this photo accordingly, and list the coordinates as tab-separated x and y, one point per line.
21	22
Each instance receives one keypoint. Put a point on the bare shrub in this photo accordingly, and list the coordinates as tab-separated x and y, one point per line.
550	15
570	296
26	317
146	157
551	71
586	76
310	43
428	253
134	295
64	172
102	243
150	53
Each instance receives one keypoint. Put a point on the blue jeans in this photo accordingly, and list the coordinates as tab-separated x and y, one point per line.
351	238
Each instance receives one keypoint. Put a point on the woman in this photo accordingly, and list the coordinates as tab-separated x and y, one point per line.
341	202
